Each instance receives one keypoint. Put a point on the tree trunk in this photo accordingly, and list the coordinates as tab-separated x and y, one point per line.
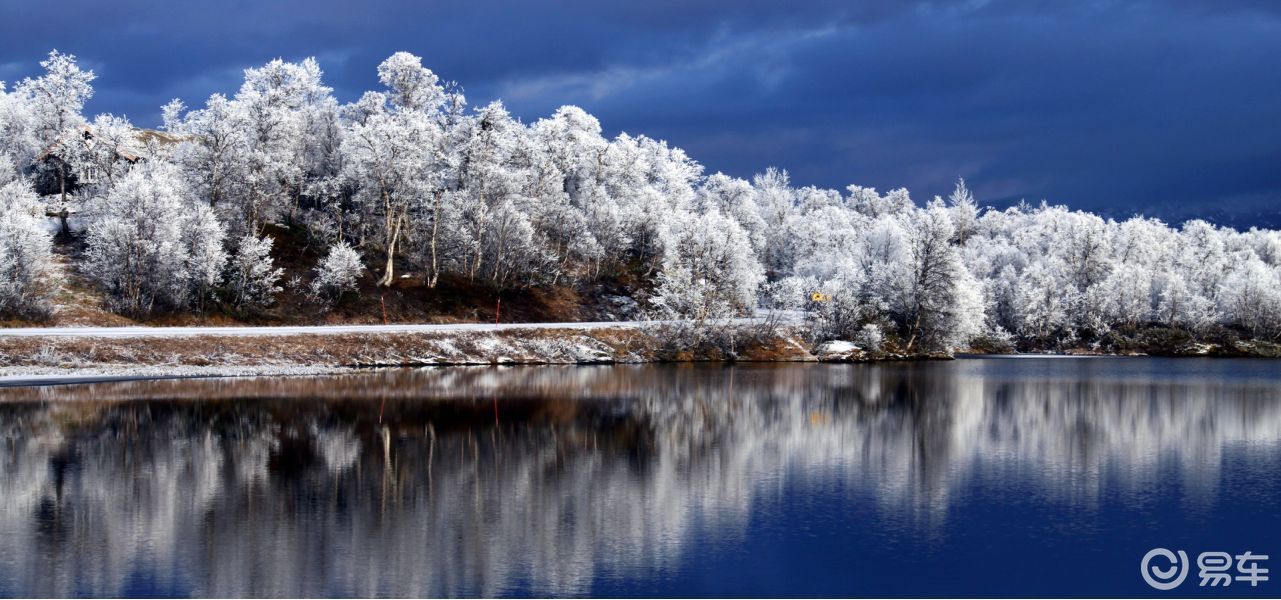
435	223
389	273
62	214
62	181
916	330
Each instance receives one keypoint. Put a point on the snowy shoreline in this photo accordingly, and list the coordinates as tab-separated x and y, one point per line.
51	360
36	361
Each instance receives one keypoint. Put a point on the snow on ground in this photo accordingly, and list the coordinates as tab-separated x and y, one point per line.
25	376
74	359
837	350
56	355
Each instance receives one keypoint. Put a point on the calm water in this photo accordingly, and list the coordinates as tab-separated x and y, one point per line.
972	477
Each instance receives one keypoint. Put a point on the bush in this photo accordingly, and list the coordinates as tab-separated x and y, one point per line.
337	273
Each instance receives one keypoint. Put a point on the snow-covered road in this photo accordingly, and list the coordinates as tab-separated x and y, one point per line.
140	332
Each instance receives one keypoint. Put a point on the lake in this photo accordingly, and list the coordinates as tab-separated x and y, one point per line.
996	476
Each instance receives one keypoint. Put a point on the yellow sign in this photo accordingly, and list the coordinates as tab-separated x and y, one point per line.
819	297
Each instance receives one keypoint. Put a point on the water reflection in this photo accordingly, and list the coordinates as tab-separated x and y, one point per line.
482	481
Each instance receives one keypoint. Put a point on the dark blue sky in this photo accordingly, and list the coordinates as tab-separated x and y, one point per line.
1170	108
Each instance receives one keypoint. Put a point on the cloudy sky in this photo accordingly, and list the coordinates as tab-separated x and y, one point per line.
1168	108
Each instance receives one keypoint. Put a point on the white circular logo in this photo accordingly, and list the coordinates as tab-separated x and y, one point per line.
1166	577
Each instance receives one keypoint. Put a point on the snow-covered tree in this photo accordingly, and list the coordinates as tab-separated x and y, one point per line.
867	202
1042	304
396	155
203	242
213	153
776	206
19	144
1127	296
57	100
936	299
25	252
337	272
410	174
489	180
252	275
964	211
273	107
135	248
709	270
1251	298
1179	306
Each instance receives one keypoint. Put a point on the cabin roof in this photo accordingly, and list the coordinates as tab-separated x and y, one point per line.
132	150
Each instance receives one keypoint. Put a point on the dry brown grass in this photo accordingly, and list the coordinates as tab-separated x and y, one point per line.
347	350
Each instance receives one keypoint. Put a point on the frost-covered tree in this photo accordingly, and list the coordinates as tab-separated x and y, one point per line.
383	155
735	198
135	249
1179	306
776	206
252	276
867	202
213	153
411	86
203	242
964	211
709	271
274	107
489	180
575	147
19	144
1202	256
337	272
936	300
410	174
56	100
1042	304
395	153
1127	296
1251	298
25	253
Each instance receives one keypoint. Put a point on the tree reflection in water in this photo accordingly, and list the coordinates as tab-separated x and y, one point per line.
537	480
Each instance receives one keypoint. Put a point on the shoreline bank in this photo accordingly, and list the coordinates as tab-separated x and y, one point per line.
54	360
50	357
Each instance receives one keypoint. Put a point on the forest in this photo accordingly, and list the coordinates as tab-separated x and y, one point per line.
411	181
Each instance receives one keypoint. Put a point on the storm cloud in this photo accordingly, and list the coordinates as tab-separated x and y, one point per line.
1169	108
